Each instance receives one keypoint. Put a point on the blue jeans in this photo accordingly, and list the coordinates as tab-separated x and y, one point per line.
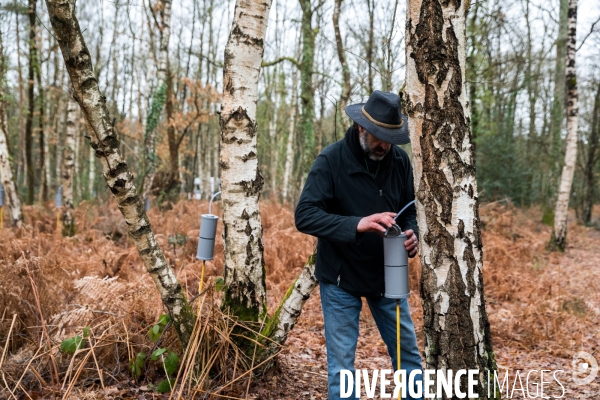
341	312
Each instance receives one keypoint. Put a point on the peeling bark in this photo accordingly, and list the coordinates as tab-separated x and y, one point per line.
559	234
456	326
241	181
118	178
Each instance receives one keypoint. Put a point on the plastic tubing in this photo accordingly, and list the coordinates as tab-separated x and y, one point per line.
401	211
213	197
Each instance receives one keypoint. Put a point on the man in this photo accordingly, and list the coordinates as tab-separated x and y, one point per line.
351	196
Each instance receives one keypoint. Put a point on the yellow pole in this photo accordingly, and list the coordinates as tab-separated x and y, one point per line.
1	217
398	355
58	220
202	277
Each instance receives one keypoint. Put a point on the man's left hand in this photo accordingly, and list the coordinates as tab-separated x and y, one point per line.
412	243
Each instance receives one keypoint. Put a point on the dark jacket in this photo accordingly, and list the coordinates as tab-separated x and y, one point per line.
339	192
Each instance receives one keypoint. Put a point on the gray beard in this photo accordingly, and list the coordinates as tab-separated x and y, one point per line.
368	152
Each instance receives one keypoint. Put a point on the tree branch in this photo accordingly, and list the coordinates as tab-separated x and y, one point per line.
280	59
588	35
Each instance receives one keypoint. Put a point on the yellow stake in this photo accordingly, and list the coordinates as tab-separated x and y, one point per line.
57	221
398	336
1	217
202	277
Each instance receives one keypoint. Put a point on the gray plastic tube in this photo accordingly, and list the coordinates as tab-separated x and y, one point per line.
206	242
1	195
395	259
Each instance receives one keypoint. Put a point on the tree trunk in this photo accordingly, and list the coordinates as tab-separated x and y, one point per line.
559	234
370	56
345	96
288	312
158	97
68	168
241	182
10	189
274	156
43	195
558	102
119	180
92	174
592	159
31	103
307	117
289	151
6	173
456	327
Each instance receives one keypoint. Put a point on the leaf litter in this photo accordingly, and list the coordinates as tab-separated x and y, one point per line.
543	306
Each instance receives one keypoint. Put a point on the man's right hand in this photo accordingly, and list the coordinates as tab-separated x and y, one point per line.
376	222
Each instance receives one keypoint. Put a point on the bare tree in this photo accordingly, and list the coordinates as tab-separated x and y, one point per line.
120	182
559	234
346	88
160	94
68	168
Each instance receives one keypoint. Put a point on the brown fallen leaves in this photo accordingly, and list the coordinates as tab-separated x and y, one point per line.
543	307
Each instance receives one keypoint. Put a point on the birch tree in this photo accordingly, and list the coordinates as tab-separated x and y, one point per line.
241	182
10	189
456	327
558	103
159	96
68	168
114	169
6	173
559	233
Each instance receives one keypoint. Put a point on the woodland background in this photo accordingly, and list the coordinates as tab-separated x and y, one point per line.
543	305
515	92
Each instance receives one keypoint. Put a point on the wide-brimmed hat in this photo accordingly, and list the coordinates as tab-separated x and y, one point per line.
381	117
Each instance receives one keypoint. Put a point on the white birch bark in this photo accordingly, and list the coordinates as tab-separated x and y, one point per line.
289	149
11	198
163	59
559	234
241	182
114	168
76	175
92	173
285	318
68	162
456	327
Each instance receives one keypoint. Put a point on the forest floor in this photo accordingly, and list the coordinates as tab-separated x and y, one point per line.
543	306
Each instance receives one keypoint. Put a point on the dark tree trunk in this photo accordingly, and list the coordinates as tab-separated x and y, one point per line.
31	103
